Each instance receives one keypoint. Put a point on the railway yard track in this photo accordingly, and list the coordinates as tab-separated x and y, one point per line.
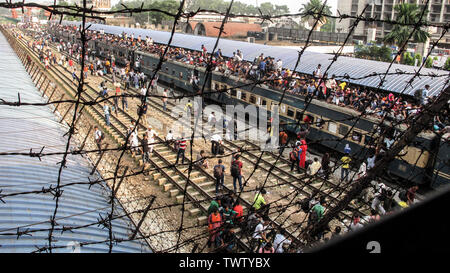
200	184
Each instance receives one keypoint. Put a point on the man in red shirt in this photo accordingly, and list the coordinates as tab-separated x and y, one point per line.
236	172
239	212
182	143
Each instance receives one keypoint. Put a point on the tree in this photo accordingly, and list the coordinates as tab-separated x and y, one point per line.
330	26
408	59
407	14
315	6
374	52
447	64
153	17
419	58
429	63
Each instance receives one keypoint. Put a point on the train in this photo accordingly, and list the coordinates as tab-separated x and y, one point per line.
426	162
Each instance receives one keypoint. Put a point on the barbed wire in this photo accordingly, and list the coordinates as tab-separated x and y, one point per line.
302	233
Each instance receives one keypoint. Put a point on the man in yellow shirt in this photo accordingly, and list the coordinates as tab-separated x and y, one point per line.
345	161
260	204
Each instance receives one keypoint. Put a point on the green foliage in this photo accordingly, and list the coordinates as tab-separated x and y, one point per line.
407	59
315	6
447	64
407	14
153	17
68	17
330	26
238	7
429	62
418	56
374	52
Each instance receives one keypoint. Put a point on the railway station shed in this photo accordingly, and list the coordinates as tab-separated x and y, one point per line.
25	209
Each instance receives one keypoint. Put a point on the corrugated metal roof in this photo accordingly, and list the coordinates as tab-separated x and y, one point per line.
355	68
28	127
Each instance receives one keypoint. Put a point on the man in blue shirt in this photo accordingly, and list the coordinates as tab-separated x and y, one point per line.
311	88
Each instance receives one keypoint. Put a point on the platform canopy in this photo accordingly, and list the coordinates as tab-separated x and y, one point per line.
357	69
81	206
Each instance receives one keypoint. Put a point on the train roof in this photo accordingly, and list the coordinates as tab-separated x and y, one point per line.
358	69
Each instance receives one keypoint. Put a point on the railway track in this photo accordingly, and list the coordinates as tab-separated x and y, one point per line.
201	184
280	173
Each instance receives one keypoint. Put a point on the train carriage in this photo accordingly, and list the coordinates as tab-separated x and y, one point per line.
424	162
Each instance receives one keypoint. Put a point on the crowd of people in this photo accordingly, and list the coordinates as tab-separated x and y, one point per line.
271	72
225	213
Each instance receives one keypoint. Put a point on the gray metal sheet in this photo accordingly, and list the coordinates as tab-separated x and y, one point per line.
34	127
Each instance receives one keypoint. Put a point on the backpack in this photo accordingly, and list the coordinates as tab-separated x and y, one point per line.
235	169
293	155
218	171
221	150
139	111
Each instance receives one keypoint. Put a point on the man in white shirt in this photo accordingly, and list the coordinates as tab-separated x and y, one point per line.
279	64
280	240
216	141
212	119
106	112
259	235
169	136
143	91
151	133
98	135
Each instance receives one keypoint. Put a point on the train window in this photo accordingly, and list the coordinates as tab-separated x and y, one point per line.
332	127
290	112
233	92
243	96
264	102
239	94
356	136
252	99
173	71
258	101
299	115
180	75
343	129
167	69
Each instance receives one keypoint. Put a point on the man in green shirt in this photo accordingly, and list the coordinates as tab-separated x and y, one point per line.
316	215
214	205
260	204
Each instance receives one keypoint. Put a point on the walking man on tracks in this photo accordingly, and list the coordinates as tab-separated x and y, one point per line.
219	174
145	150
98	136
106	112
236	172
164	99
182	143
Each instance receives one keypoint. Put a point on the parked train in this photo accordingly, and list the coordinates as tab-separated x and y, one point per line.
426	162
